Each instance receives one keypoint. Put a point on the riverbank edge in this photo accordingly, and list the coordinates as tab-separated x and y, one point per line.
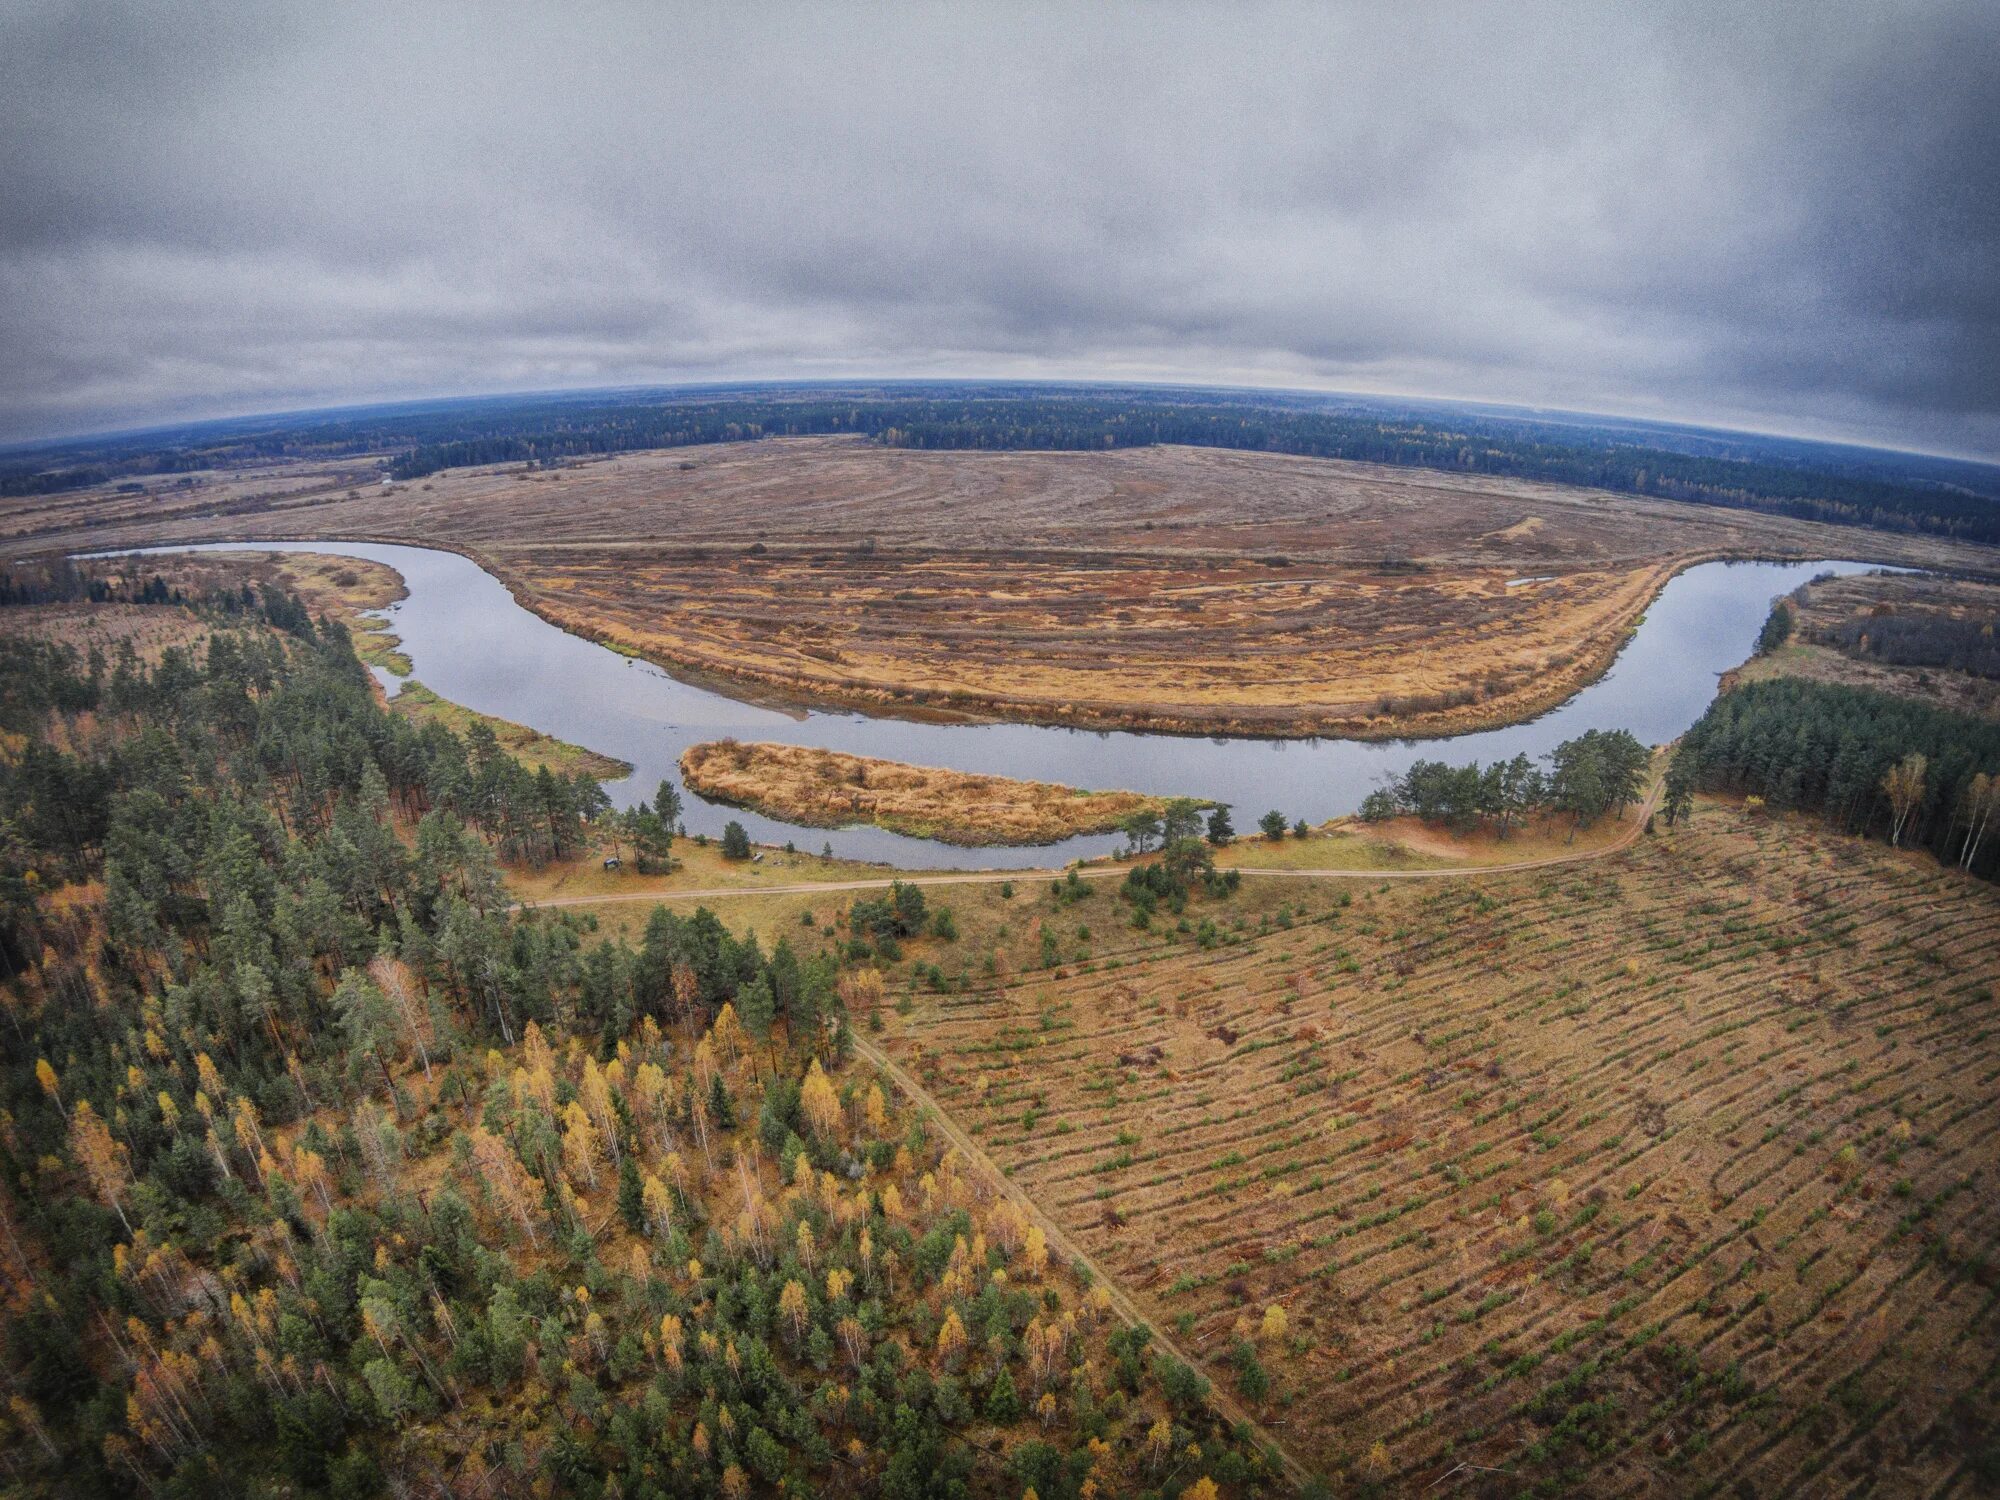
918	707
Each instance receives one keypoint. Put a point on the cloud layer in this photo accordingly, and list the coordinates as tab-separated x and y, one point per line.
1783	216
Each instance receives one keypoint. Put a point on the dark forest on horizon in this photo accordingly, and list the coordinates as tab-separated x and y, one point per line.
1804	480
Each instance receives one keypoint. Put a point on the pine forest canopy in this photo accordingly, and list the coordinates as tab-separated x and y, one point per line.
1596	773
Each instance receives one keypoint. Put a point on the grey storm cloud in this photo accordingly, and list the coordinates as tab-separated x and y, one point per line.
1779	216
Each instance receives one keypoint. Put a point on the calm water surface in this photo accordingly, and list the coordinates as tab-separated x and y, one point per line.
470	642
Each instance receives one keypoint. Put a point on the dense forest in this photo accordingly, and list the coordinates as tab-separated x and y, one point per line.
329	1172
1819	482
1870	763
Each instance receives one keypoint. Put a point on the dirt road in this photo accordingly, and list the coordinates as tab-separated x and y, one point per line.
1113	872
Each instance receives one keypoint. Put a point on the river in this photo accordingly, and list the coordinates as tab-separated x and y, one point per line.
470	642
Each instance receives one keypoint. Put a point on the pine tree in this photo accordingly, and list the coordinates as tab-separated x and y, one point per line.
1003	1403
758	1008
667	804
631	1195
1777	628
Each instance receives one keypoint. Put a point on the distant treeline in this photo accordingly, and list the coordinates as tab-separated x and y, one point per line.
1484	447
1818	482
1870	762
1083	423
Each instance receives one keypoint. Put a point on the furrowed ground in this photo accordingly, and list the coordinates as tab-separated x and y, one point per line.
1167	588
109	628
1665	1173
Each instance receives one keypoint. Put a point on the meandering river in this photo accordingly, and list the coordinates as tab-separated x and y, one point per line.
470	642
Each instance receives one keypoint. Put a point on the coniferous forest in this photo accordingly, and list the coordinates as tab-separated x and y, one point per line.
1598	772
331	1171
1870	763
328	1172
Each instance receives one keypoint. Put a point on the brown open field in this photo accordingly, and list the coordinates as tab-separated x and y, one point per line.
1830	611
1670	1172
1182	589
1236	646
1408	843
828	789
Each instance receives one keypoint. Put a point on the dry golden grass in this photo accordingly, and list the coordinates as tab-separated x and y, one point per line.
697	867
827	789
343	583
1656	1174
1410	844
1183	646
345	587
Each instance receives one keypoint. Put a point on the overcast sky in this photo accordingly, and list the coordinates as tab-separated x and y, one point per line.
1770	215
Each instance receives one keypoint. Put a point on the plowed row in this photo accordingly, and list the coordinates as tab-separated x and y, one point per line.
1670	1173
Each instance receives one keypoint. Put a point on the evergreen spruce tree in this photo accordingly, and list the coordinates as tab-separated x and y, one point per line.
1003	1403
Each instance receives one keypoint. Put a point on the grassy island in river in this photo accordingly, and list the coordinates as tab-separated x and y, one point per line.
826	789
